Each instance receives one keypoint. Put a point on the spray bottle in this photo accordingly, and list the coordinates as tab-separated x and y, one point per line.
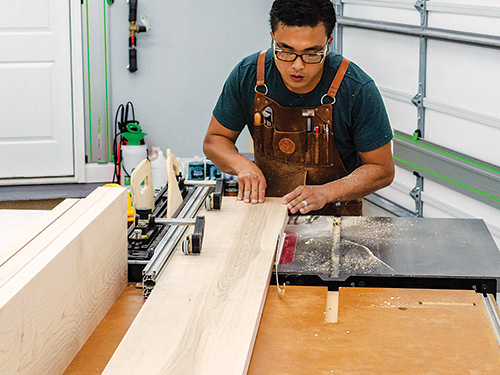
133	152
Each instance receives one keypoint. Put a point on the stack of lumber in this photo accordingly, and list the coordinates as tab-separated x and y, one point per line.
59	280
203	315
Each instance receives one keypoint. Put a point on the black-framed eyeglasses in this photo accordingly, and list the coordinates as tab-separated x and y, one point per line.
307	58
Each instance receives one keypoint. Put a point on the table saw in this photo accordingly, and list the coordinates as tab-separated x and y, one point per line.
390	252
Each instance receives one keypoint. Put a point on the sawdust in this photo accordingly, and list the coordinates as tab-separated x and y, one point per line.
313	249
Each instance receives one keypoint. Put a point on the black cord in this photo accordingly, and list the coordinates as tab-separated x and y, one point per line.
120	128
116	176
131	106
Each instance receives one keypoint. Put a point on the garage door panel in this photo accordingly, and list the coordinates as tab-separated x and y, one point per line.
465	23
378	53
401	114
465	136
387	11
464	76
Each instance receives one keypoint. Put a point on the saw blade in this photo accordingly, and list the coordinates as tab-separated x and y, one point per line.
335	268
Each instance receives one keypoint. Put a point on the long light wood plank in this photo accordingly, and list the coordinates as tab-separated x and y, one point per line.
34	246
33	230
51	306
14	223
204	312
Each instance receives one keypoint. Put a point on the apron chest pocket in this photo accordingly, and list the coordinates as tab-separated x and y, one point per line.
289	146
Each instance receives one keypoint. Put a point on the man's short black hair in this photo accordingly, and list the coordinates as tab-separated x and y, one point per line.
303	13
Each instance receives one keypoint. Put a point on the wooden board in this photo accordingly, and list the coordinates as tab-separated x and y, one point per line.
34	246
33	230
203	314
379	332
15	223
98	349
141	185
173	193
50	307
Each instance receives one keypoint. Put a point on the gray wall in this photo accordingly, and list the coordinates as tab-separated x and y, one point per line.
183	62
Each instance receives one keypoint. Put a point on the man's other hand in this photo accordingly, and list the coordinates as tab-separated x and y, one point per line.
305	198
251	184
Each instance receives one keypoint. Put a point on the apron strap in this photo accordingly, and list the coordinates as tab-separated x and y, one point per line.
261	68
337	80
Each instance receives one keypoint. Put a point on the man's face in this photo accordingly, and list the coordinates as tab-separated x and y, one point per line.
299	77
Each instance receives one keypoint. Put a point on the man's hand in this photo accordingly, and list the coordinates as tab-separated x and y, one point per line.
220	148
251	184
306	198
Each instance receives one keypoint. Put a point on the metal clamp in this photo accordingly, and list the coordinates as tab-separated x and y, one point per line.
193	242
416	194
420	5
417	100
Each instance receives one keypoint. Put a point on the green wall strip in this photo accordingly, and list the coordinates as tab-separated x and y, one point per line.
477	164
447	179
88	78
106	79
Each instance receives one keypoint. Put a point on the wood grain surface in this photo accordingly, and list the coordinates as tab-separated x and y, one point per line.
98	349
141	186
379	332
203	314
49	308
173	192
33	230
32	247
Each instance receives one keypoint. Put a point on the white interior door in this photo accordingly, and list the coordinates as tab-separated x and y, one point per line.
36	122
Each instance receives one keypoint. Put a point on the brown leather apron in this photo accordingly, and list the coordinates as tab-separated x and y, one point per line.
295	145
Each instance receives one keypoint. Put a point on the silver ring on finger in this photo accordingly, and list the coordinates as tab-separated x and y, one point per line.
304	202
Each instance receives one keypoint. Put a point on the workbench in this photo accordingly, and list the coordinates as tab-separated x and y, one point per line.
410	329
379	331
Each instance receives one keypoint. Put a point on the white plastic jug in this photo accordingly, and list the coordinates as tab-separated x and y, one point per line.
131	157
158	167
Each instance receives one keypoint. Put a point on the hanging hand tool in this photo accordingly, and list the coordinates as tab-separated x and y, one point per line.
308	113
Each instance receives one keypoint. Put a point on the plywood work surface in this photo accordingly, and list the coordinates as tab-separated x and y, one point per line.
203	314
379	331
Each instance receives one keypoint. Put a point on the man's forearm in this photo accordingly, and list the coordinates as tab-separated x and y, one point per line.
364	180
224	154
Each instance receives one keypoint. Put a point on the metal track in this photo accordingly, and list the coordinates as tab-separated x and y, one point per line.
459	172
490	303
168	243
483	40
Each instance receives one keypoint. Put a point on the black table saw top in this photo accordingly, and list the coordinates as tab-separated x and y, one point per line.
405	249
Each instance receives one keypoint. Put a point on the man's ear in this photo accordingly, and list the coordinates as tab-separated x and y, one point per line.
330	40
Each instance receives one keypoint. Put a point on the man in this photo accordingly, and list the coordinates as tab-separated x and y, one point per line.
321	133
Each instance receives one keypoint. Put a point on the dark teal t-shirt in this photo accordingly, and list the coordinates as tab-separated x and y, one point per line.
360	121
